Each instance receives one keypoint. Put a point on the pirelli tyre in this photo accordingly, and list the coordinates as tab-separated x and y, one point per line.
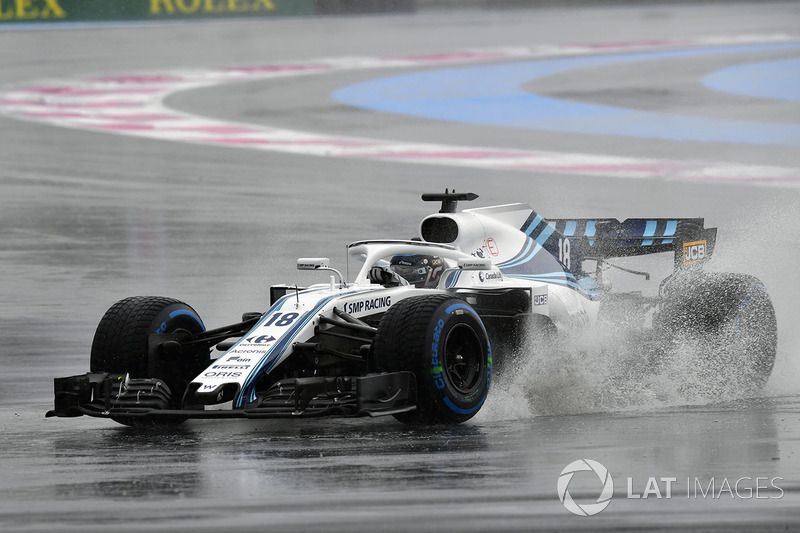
443	341
727	322
122	343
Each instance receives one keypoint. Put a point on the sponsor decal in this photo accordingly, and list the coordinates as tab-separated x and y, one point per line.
372	304
539	299
230	367
489	277
491	245
694	252
192	7
436	367
466	265
260	339
30	10
223	374
105	10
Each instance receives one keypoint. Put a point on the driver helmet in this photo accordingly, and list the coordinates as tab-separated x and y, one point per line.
422	271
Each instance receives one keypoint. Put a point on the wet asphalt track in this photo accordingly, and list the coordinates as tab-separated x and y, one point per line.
88	218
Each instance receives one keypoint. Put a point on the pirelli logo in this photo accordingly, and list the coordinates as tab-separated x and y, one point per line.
694	252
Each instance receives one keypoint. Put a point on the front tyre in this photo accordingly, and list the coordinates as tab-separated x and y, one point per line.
443	341
122	343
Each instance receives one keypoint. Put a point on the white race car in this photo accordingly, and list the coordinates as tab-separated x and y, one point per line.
416	331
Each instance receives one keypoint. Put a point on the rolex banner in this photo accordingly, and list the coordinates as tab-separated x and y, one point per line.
127	10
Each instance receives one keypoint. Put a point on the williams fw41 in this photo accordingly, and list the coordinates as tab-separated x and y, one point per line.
418	330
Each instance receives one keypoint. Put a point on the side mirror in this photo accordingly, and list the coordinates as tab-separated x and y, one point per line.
313	263
320	263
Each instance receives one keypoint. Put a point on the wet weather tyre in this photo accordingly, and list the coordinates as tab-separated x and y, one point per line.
443	341
730	317
121	343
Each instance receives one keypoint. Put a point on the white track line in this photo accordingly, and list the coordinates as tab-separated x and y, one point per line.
133	104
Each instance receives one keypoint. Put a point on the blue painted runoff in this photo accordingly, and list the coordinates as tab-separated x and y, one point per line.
775	80
493	95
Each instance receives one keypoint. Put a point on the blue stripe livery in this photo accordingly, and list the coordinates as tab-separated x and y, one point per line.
531	264
248	392
631	232
607	237
452	279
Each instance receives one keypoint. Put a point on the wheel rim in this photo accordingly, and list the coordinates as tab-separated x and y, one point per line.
463	358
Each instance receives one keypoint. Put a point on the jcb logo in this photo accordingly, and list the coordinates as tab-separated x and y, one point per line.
694	252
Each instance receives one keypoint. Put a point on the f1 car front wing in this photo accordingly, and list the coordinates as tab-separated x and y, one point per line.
110	395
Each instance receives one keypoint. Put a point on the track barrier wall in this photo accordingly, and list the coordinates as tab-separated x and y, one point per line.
56	11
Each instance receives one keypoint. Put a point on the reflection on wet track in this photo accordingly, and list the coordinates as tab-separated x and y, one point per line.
322	475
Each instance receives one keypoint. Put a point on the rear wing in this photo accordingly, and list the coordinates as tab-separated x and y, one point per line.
601	238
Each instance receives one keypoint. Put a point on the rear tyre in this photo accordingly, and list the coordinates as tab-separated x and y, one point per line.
730	318
121	343
443	341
